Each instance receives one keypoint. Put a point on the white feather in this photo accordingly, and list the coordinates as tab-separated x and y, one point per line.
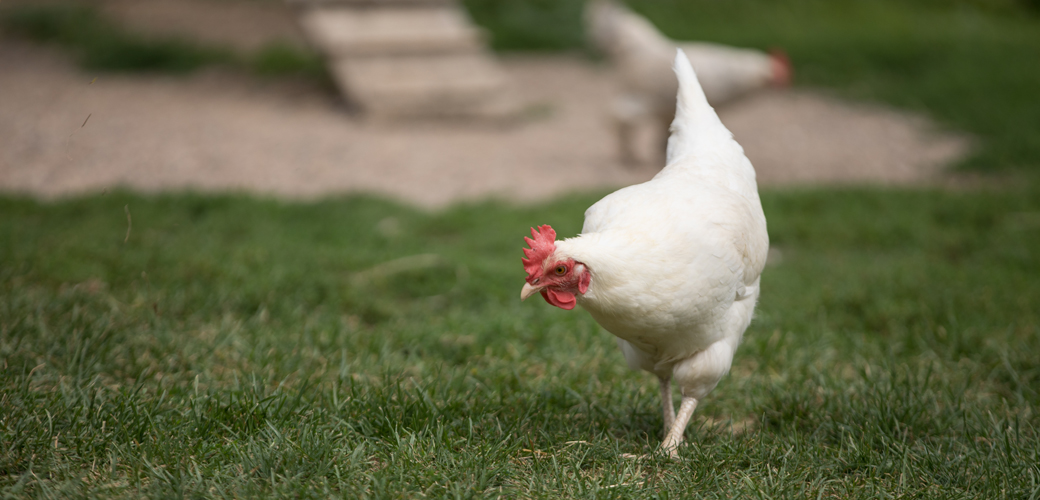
675	261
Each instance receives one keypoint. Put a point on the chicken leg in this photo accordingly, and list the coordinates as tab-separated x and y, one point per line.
675	435
626	114
669	418
667	405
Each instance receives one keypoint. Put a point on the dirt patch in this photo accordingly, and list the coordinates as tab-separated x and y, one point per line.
218	131
811	138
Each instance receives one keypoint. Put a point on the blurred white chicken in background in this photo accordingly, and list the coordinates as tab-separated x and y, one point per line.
643	56
670	266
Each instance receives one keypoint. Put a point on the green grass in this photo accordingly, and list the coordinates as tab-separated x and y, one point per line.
530	24
229	346
101	44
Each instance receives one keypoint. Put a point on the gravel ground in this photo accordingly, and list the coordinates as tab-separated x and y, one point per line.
217	131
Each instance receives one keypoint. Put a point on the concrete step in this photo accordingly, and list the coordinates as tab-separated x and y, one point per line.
368	3
408	58
439	85
345	32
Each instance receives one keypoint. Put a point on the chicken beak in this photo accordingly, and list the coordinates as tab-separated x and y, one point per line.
528	291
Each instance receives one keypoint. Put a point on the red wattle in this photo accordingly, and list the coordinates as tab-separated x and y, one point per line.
563	300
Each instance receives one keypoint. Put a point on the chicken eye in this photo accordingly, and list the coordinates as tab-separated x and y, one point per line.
561	270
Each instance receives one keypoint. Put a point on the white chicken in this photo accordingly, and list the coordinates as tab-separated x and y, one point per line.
643	56
670	266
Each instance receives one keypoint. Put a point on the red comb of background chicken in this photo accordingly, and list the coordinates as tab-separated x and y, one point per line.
542	246
782	70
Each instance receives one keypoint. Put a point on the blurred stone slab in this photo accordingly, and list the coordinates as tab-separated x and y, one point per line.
369	3
442	85
408	58
344	32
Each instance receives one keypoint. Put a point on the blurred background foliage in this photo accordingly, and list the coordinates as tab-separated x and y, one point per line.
99	43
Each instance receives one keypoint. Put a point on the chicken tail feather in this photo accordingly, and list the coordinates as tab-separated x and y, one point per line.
696	127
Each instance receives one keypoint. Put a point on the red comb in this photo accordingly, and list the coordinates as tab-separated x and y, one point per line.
782	71
542	246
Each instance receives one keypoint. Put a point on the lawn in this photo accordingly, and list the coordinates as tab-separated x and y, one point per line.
188	345
222	346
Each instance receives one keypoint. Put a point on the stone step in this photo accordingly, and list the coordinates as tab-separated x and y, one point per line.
368	3
345	32
441	85
408	58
